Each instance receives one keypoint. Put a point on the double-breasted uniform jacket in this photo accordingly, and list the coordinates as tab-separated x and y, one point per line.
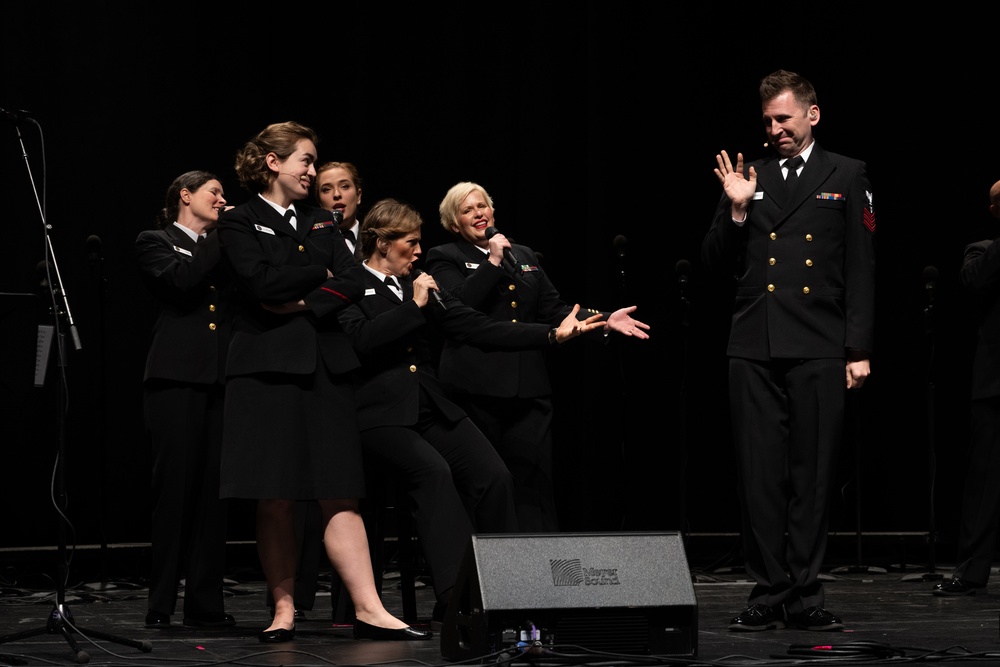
977	525
461	269
981	276
804	261
184	379
275	263
395	342
194	321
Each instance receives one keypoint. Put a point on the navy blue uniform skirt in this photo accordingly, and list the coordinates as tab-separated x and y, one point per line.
292	437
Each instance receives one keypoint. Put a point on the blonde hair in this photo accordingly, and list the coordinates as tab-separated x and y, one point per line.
449	206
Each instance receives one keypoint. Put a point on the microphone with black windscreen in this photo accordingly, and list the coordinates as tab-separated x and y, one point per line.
94	248
682	269
620	242
507	254
930	281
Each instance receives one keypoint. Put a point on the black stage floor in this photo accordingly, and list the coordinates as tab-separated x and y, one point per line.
890	617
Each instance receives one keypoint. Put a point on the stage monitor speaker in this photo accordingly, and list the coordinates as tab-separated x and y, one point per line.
542	594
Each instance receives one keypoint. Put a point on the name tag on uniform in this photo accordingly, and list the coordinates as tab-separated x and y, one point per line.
369	291
262	228
758	195
183	251
471	265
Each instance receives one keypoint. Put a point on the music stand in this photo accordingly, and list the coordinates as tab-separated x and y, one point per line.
60	619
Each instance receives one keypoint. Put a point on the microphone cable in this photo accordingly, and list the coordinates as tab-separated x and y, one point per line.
853	649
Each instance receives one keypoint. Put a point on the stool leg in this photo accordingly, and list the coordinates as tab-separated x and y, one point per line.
407	558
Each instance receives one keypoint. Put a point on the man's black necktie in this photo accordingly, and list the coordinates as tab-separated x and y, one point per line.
289	214
391	282
349	235
793	171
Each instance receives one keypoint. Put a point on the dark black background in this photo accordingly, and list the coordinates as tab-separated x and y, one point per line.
584	121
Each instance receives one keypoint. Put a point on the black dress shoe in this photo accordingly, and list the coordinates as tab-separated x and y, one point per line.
276	636
956	586
815	618
364	630
213	619
155	619
757	617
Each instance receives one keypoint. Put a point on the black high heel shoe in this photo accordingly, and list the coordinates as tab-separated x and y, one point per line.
276	636
364	630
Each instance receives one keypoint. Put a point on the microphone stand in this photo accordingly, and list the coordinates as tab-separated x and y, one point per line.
854	425
931	574
96	259
682	442
60	619
619	244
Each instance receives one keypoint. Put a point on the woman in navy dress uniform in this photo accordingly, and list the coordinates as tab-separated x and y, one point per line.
506	393
183	388
457	482
291	430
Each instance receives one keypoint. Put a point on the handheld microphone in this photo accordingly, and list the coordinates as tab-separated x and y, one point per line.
93	248
507	254
620	243
338	217
434	292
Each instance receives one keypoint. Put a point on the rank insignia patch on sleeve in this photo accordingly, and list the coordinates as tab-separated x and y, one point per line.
868	216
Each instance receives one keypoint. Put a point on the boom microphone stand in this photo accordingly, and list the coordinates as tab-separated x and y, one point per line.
60	619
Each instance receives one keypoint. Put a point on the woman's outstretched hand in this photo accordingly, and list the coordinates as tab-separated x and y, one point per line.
622	322
571	327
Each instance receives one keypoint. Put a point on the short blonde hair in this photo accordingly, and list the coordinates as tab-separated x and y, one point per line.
448	208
